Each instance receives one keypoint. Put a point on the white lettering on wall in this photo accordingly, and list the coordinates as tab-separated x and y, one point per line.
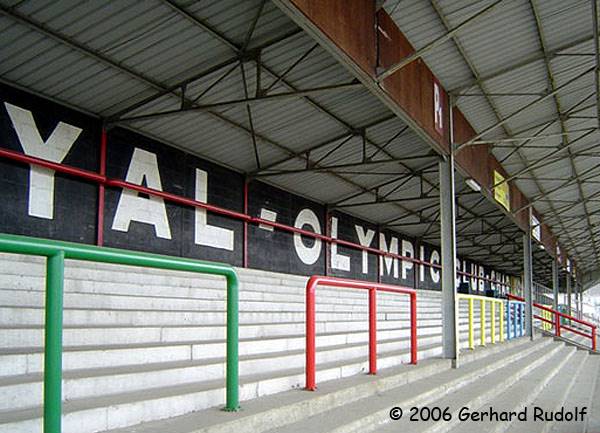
338	261
481	281
268	215
55	148
205	234
435	272
389	263
308	255
132	207
365	240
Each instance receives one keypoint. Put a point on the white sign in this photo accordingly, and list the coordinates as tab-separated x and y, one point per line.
536	231
438	108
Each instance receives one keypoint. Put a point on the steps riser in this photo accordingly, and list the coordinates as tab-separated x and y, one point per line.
74	360
202	286
26	337
152	304
502	386
251	391
14	316
30	298
382	417
24	395
134	413
23	267
535	389
96	289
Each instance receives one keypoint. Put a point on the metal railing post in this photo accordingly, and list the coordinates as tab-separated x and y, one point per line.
482	320
502	321
232	403
471	331
508	321
310	337
516	320
55	266
413	328
521	328
493	305
372	331
373	288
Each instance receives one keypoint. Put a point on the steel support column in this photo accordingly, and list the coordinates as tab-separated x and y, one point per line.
555	289
448	238
578	299
569	311
581	300
528	283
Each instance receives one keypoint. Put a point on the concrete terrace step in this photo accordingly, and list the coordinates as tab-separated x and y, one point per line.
28	299
275	381
146	405
201	364
80	335
145	300
24	315
293	406
23	361
583	393
551	398
99	275
149	361
261	293
283	340
14	264
74	316
202	290
372	413
22	265
539	366
30	336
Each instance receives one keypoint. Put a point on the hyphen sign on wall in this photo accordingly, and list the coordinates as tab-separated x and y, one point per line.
40	202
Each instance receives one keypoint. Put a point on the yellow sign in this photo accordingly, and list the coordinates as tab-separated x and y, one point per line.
501	191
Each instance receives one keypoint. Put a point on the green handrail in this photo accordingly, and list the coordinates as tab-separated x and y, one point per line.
57	252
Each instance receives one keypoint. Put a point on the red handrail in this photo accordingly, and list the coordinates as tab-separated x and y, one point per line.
311	286
557	322
103	180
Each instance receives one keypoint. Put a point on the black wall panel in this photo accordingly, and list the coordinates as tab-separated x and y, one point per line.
178	176
75	207
75	202
393	273
346	230
274	250
428	277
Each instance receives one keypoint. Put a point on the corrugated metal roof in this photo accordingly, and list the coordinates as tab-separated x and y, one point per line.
105	56
509	35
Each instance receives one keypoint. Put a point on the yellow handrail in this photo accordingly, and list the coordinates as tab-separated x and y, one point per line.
546	326
482	307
